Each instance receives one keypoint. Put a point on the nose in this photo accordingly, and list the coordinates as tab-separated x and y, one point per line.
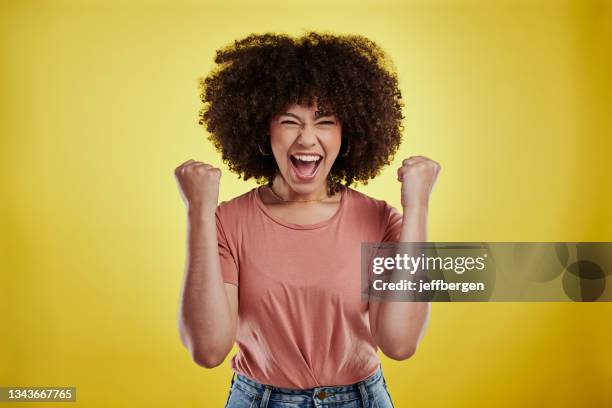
307	136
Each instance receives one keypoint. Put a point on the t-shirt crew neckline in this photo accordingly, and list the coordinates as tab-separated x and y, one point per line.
321	224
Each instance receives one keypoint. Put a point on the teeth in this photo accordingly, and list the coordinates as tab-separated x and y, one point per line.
307	157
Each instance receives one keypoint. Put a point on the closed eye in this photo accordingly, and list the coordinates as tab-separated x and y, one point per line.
290	122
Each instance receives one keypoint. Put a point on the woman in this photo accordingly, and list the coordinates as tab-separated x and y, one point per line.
278	269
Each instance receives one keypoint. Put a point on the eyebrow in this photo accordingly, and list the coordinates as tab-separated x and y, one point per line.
318	115
291	114
322	114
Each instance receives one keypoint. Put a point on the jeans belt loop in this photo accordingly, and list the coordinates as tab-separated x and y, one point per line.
266	397
364	395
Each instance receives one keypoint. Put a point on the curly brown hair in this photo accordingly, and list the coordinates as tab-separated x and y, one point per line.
259	76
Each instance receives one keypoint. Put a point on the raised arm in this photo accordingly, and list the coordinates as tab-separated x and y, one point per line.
208	309
397	327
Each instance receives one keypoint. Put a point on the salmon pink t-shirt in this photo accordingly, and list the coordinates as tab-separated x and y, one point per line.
301	320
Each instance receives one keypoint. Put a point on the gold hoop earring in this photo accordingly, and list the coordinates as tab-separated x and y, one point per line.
348	149
261	151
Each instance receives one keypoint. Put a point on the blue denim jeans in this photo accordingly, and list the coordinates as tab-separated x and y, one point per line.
369	393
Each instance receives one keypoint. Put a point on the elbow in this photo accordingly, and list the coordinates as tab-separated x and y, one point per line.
207	359
400	353
205	354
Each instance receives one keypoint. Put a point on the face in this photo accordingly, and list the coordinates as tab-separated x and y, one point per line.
305	144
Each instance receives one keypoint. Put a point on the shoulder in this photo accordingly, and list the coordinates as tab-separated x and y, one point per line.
229	212
364	203
373	214
238	202
376	216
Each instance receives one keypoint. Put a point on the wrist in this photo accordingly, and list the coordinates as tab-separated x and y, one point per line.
420	204
201	214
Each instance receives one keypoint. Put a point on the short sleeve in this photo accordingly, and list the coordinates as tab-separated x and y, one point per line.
393	227
229	266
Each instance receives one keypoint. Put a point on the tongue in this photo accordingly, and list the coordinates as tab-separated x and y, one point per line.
306	168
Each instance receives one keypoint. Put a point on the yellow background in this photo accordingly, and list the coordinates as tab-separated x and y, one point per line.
99	105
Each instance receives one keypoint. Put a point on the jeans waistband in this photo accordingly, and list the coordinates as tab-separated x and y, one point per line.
327	394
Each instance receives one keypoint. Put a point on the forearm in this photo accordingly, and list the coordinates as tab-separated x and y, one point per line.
205	322
400	325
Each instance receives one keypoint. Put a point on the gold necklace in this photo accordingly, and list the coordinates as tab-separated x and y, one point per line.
293	201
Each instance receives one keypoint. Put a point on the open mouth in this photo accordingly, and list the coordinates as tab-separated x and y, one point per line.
306	165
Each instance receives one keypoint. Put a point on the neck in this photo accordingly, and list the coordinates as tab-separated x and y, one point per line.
283	190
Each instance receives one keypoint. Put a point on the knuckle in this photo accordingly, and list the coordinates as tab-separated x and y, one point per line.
208	172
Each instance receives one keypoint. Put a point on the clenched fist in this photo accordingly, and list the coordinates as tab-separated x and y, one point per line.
418	175
199	186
